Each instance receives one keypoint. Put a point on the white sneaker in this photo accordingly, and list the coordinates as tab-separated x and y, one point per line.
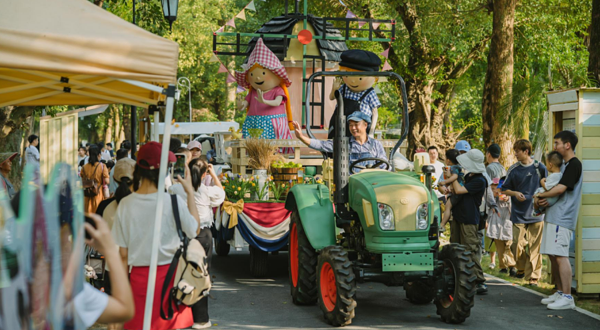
551	299
202	325
562	303
492	265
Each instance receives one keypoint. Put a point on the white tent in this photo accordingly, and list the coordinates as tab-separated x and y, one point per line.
71	52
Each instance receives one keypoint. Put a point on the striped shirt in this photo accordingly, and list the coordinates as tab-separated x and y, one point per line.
368	104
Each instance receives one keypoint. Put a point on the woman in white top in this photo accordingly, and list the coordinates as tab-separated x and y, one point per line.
133	230
205	198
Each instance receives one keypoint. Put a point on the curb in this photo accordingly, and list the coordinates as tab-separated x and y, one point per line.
578	309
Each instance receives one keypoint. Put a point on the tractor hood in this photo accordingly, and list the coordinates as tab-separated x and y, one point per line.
403	195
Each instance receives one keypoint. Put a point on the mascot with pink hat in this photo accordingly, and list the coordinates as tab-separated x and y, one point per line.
268	98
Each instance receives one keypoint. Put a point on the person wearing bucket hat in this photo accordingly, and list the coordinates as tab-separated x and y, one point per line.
361	145
6	159
358	92
133	231
465	227
268	99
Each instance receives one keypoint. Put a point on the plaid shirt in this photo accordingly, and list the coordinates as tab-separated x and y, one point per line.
370	102
371	148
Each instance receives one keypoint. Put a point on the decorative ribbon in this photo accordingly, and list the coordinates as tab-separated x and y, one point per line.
233	209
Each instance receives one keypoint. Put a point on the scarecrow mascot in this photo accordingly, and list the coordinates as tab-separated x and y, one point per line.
357	91
268	100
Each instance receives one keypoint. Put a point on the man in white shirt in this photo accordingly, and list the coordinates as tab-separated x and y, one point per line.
32	154
104	153
433	160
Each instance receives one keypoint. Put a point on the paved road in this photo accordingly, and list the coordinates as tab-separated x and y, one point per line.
243	302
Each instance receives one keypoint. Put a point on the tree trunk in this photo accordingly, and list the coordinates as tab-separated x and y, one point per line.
231	94
497	90
594	46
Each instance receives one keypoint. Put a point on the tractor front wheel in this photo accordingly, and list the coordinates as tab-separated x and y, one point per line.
454	305
337	286
258	262
302	264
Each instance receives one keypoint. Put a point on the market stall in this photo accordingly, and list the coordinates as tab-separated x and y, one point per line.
71	52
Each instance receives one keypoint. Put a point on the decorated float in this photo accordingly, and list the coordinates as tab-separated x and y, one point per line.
279	58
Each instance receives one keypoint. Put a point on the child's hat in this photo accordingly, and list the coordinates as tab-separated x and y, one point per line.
495	180
263	56
361	60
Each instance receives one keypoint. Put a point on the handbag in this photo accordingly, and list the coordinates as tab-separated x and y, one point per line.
483	214
90	187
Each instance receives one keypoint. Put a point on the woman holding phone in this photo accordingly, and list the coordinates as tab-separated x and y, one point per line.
205	198
133	229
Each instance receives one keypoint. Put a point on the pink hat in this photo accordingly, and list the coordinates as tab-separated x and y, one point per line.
194	144
267	59
496	180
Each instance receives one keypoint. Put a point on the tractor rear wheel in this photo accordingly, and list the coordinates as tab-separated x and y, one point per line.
460	279
419	292
337	286
258	262
302	264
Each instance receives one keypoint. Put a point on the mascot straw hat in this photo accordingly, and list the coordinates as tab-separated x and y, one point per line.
264	57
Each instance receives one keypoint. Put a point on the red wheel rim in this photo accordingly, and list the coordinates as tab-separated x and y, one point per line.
294	255
328	287
449	269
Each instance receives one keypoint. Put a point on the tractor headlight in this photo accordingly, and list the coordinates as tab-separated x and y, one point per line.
422	217
386	217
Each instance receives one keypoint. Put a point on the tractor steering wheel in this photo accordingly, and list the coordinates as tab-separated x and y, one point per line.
378	162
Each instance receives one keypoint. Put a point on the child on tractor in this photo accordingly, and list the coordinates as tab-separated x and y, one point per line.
457	174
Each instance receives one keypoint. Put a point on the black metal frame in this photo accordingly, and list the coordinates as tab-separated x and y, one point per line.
341	152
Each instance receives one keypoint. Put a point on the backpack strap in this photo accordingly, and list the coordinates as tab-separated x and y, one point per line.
174	262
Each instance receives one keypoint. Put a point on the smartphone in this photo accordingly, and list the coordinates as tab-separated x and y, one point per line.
91	222
179	167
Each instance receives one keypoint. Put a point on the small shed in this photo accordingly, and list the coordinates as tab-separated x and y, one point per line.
578	110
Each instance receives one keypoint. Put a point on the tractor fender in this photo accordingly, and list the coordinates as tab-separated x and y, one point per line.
312	203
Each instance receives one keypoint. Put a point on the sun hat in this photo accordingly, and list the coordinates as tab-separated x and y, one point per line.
150	153
361	60
263	56
358	116
4	156
194	144
462	145
472	161
124	168
494	150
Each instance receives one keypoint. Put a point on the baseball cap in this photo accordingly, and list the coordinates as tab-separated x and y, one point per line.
124	168
462	145
7	156
494	150
194	144
150	153
358	116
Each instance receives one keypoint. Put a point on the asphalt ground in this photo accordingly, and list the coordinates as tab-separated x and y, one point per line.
244	302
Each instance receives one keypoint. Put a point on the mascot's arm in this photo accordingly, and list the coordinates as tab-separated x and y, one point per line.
373	122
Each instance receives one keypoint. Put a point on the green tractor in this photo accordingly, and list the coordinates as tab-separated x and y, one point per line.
390	234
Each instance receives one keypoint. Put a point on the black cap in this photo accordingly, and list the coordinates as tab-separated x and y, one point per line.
359	59
494	150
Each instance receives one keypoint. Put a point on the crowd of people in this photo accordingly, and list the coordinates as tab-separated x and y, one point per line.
528	211
533	211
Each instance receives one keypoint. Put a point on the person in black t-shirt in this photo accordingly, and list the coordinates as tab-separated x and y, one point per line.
464	228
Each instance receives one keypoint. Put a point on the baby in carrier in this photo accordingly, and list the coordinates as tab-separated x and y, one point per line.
357	91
